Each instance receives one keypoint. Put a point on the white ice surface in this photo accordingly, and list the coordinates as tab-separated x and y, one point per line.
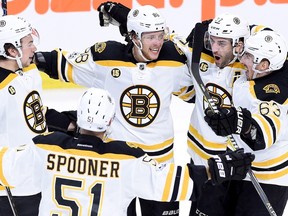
67	99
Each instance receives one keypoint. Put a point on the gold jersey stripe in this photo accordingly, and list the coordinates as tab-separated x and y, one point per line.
168	183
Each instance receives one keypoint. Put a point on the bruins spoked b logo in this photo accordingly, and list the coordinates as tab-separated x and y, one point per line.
139	105
220	96
33	111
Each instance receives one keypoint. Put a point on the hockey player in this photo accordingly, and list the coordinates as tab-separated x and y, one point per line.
84	176
263	129
21	110
141	75
227	33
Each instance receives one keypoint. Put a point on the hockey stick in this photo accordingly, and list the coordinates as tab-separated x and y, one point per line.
8	191
4	7
11	201
198	40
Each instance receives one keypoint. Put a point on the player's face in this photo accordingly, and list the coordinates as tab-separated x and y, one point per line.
247	60
28	50
152	43
222	51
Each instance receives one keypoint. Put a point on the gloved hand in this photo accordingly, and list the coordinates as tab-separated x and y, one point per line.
61	121
230	166
229	120
114	13
190	37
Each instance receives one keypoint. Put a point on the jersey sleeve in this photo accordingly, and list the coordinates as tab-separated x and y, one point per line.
269	126
20	166
162	182
185	88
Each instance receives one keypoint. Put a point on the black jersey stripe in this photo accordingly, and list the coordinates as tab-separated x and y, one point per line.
272	127
176	184
161	152
272	168
200	146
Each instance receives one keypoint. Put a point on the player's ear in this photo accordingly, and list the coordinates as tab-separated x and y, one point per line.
264	64
240	47
11	51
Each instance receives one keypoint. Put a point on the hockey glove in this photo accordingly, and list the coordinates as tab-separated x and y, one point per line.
114	13
229	120
61	121
190	37
230	166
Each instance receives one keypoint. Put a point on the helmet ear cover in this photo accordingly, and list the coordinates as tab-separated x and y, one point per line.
96	110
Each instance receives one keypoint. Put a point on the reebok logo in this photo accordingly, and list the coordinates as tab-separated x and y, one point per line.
171	212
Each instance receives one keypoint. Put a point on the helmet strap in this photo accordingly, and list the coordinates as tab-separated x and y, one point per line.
139	50
17	58
258	71
235	55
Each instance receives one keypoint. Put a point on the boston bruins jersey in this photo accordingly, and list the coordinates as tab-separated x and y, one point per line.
141	90
202	142
88	177
20	111
267	99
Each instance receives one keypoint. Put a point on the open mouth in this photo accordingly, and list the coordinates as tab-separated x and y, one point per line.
155	50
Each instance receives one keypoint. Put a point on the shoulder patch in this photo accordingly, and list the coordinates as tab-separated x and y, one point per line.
100	47
271	88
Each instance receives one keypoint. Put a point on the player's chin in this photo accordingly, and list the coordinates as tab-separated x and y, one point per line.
153	55
218	63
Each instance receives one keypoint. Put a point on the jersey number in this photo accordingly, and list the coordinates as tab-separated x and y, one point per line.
65	188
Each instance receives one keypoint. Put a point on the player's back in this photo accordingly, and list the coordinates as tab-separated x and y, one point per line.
86	176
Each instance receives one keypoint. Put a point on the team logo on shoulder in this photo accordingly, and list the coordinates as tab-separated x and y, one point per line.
115	72
220	96
179	50
33	114
271	88
139	105
203	67
11	90
100	47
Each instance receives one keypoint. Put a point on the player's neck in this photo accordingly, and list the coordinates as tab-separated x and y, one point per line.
9	64
92	133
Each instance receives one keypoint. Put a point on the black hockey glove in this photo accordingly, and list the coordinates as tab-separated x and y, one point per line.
230	166
229	120
190	37
60	121
114	13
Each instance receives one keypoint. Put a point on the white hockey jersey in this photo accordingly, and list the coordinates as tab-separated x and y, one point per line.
21	116
266	98
142	91
202	142
85	176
